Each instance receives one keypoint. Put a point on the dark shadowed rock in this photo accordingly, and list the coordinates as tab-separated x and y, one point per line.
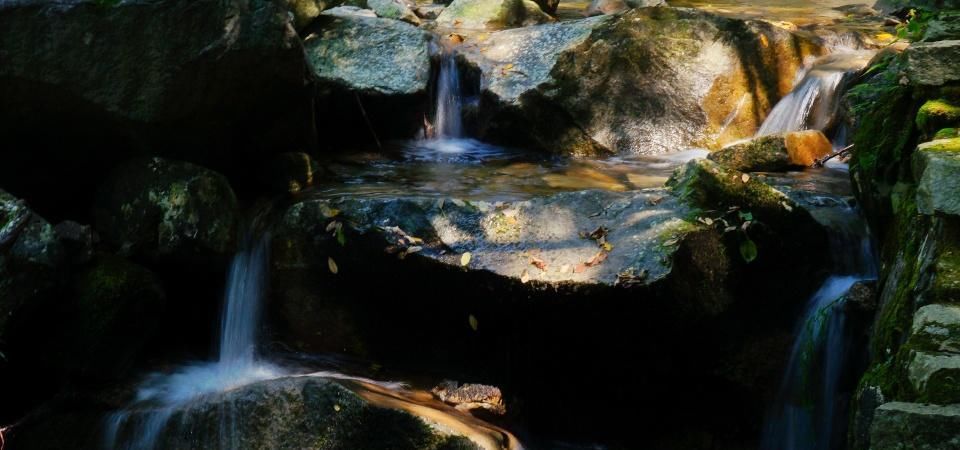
775	153
915	426
168	211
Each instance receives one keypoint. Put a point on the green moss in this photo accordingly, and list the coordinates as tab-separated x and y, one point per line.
944	145
946	133
936	114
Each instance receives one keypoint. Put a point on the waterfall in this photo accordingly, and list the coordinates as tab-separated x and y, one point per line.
449	106
810	409
813	103
140	426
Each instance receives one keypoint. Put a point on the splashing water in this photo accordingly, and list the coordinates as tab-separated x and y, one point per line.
813	103
810	410
449	103
139	427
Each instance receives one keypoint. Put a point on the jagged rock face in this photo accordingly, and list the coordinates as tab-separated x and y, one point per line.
168	211
901	425
492	14
647	81
933	63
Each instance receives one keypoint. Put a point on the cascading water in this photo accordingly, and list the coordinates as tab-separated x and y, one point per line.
813	103
139	427
810	411
449	102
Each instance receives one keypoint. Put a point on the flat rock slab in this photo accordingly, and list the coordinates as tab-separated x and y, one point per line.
915	426
546	240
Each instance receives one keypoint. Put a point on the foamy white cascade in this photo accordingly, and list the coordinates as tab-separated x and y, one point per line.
813	103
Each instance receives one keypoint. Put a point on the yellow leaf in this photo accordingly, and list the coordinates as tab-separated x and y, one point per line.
332	265
465	259
329	212
336	408
745	178
473	322
524	277
607	246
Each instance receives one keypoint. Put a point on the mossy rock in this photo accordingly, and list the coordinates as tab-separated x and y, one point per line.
168	211
946	133
112	316
936	167
937	114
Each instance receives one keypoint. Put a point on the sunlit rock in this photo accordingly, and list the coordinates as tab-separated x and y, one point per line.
492	14
775	153
393	9
936	166
651	80
598	7
167	211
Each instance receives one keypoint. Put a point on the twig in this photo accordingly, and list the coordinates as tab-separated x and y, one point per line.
367	120
822	161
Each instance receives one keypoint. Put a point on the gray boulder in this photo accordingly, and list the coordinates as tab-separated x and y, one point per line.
936	166
671	78
598	7
933	63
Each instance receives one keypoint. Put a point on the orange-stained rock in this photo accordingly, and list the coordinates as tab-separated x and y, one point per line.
806	147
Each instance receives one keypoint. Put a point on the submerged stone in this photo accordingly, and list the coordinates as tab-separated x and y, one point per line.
937	171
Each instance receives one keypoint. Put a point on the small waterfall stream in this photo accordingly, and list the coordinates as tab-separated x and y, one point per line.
138	427
449	100
813	103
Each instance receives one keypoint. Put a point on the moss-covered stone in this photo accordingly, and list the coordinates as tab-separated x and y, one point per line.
937	114
946	133
168	210
936	168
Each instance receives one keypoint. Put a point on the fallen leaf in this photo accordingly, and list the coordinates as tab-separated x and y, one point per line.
600	257
465	259
787	206
748	250
671	242
329	212
336	408
745	178
607	247
473	322
538	263
332	226
524	277
332	265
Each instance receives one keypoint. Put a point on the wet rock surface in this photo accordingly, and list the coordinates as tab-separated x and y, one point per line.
492	14
542	82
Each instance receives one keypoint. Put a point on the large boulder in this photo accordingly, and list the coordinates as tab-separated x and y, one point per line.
933	63
169	212
372	74
671	78
492	14
197	80
777	152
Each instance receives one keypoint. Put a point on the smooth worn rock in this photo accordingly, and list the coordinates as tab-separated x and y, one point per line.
598	7
492	14
168	211
933	63
393	9
762	154
936	168
806	147
671	78
370	54
914	426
